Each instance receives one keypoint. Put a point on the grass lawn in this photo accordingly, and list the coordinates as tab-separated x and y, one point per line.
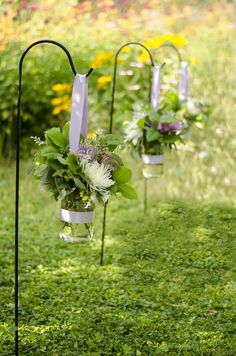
166	287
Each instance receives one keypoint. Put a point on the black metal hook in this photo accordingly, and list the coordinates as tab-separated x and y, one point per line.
170	45
111	123
18	137
115	72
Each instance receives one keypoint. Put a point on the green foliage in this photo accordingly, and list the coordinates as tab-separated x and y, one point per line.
55	136
167	286
65	173
152	135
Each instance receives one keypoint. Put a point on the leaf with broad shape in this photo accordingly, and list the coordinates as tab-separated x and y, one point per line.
65	131
167	119
55	135
152	134
121	175
72	161
127	191
111	141
78	183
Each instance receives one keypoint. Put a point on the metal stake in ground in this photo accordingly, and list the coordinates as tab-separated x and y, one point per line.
111	120
18	138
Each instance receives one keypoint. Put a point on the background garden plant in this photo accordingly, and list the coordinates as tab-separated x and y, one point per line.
168	283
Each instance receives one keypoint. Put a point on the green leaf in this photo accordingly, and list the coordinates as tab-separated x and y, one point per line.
152	134
40	171
65	131
61	159
154	117
141	123
113	188
167	119
78	183
122	175
55	135
59	173
111	141
127	191
50	152
72	161
55	164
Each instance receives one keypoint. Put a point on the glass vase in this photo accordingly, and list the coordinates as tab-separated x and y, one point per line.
76	219
152	165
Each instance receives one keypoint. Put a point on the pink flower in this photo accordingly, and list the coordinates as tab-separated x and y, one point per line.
33	6
23	5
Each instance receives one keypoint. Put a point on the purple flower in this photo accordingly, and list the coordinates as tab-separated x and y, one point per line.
108	160
164	128
84	150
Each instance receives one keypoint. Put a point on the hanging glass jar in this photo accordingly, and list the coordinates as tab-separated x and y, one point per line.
76	219
153	160
152	165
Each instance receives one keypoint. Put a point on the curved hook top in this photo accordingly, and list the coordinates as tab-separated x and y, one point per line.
139	44
169	44
57	44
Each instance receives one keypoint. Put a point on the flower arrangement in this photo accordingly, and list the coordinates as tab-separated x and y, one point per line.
150	131
95	171
189	111
80	179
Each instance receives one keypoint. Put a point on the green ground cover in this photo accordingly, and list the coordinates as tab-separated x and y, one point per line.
167	286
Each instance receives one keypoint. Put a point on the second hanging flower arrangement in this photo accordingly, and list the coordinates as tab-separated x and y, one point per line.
165	122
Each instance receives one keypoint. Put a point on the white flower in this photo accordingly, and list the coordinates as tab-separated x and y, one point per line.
132	132
99	176
193	107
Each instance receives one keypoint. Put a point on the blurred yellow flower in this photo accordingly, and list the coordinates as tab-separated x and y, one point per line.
91	135
126	50
61	87
194	60
154	42
144	57
61	103
60	100
157	41
176	39
103	80
101	58
57	110
65	106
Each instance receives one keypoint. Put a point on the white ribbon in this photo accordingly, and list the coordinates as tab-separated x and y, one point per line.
183	82
156	87
153	159
79	111
77	217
